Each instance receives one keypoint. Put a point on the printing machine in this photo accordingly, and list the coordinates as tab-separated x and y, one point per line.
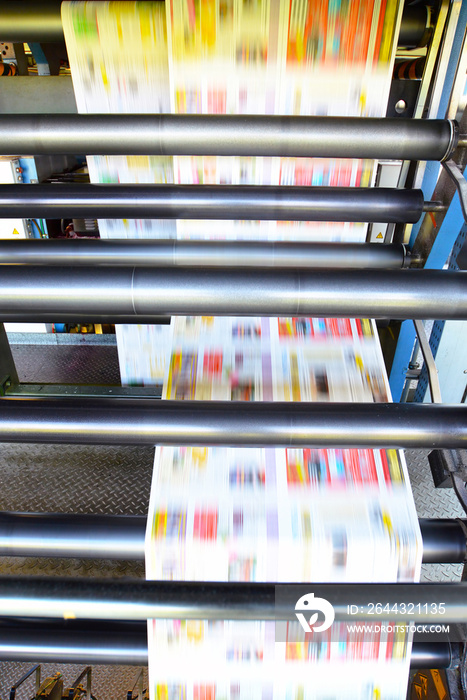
140	281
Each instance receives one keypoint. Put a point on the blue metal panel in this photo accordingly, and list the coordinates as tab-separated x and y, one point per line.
447	236
432	168
459	244
449	230
428	187
404	349
438	326
457	47
29	175
40	59
435	337
28	166
447	242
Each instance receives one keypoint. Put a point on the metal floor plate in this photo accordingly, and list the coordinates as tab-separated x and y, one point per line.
117	480
108	682
67	364
90	479
74	479
432	503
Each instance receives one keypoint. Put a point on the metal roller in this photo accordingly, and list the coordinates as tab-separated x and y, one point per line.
415	30
71	535
211	202
30	21
90	318
182	134
60	294
66	598
156	422
105	642
170	253
122	537
443	540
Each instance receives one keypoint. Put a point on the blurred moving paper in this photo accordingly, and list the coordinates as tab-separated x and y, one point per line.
233	514
264	514
229	56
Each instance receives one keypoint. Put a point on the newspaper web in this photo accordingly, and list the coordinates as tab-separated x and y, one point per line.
224	514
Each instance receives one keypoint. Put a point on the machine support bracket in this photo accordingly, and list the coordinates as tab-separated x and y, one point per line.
457	176
435	389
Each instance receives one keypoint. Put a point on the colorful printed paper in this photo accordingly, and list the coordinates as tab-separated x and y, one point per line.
278	515
226	514
308	57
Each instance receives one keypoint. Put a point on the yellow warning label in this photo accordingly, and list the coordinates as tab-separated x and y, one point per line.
424	681
418	691
380	235
15	232
439	685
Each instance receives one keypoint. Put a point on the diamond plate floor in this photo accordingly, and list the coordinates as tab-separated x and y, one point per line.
432	503
74	479
94	479
67	364
116	480
108	682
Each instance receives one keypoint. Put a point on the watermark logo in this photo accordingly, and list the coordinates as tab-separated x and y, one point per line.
308	603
